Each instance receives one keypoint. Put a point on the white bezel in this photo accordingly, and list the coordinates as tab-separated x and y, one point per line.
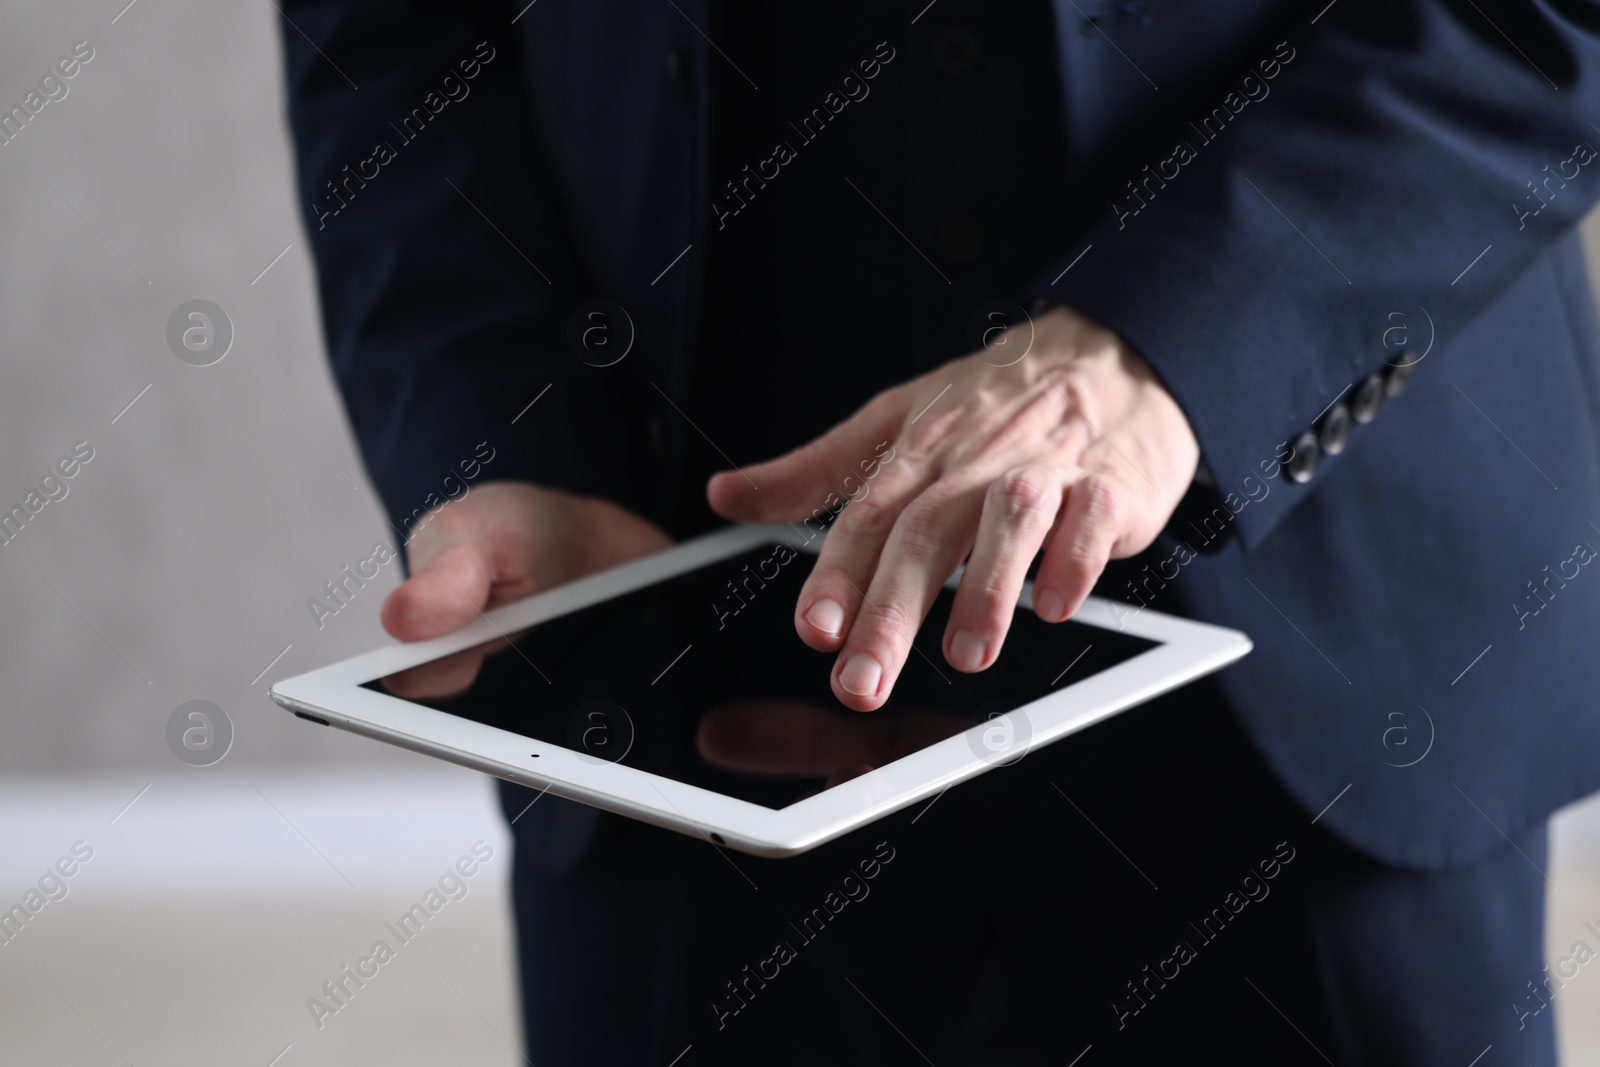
334	694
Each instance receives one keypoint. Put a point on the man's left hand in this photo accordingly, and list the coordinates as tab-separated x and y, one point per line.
1075	447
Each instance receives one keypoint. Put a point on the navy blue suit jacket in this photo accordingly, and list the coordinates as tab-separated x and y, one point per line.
1270	201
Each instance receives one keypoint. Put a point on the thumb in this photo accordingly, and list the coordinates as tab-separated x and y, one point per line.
445	594
797	483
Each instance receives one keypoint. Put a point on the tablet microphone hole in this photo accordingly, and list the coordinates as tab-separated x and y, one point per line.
718	839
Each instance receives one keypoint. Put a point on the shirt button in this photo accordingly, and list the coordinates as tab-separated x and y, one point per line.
1303	464
678	73
954	50
1369	397
960	238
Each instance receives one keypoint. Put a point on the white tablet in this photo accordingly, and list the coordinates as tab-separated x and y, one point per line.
674	690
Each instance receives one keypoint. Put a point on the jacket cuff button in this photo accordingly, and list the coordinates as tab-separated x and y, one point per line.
1334	429
1397	375
1368	398
1303	464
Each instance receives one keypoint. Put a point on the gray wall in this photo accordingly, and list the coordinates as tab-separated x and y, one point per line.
207	516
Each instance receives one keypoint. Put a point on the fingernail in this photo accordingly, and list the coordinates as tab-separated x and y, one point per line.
966	651
861	675
827	616
1049	606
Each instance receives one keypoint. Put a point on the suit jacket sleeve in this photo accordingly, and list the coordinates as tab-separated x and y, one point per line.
445	268
1394	144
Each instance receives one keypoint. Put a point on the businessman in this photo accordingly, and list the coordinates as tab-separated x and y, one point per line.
1267	313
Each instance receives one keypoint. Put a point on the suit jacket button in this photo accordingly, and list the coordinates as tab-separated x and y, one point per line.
954	50
1303	464
1334	429
960	237
678	73
1369	397
1397	375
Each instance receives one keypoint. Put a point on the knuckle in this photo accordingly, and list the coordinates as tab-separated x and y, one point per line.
1021	494
895	622
1086	553
1137	533
1081	571
1084	557
921	529
885	402
870	518
1072	388
988	592
812	451
990	608
1105	502
997	592
1083	561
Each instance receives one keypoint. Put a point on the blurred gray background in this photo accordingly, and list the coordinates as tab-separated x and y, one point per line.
178	567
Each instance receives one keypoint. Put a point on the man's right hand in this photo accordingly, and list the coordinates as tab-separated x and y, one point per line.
501	542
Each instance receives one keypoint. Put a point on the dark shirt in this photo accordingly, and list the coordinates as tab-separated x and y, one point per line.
890	224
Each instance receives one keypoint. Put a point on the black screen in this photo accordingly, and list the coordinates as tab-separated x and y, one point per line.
701	678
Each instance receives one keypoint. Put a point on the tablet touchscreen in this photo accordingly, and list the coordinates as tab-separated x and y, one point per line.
701	678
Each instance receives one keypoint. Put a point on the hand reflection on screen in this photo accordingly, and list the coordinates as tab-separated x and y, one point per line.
447	676
785	738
